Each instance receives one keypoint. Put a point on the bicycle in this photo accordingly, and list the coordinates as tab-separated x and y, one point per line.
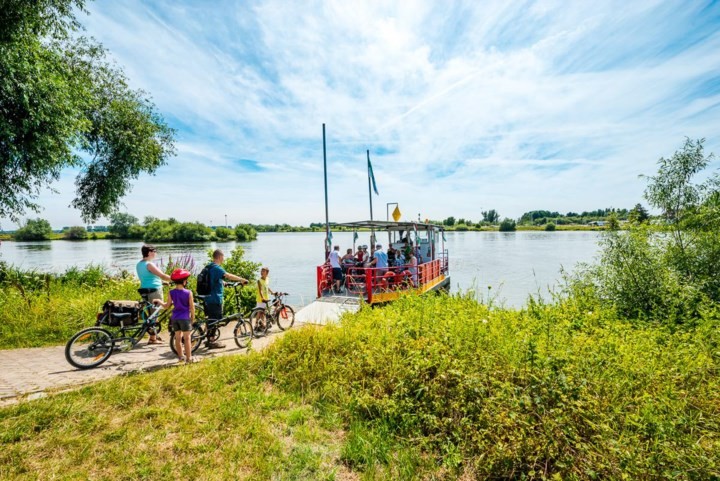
209	329
276	312
115	330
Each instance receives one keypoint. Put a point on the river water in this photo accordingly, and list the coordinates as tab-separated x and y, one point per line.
513	264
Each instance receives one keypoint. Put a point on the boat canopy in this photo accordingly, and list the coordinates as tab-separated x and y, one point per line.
390	226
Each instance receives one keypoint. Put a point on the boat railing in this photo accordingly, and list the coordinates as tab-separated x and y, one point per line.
370	281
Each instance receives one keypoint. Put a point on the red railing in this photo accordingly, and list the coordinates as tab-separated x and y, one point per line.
367	281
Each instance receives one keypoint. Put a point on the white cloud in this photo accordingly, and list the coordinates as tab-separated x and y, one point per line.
464	106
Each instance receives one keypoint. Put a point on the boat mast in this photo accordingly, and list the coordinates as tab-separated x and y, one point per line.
327	219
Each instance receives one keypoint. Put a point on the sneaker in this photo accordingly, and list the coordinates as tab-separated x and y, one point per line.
215	345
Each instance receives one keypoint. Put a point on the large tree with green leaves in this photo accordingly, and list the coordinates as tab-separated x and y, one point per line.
63	104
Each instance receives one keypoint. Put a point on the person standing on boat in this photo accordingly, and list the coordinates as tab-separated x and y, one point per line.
412	268
379	260
151	282
334	258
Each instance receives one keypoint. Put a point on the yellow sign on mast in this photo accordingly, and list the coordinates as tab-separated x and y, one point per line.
396	213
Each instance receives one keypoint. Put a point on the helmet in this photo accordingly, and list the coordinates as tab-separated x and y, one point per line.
179	275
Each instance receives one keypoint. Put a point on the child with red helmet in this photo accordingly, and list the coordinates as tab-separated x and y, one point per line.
183	314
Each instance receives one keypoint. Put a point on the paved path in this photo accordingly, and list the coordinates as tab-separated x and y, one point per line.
33	372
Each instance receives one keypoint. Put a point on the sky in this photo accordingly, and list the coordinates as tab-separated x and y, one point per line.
464	106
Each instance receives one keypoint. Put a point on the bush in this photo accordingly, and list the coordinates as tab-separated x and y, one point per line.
507	225
245	233
550	392
34	229
549	227
223	233
75	233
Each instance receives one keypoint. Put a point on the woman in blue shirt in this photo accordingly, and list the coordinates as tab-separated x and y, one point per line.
151	282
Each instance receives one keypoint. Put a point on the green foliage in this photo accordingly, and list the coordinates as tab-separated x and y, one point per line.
491	216
34	229
549	227
666	276
612	222
507	225
638	214
542	217
39	309
76	232
172	230
245	233
550	392
60	97
224	233
120	224
450	221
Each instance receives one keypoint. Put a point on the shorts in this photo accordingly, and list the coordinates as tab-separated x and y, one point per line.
337	274
214	311
184	325
261	304
150	295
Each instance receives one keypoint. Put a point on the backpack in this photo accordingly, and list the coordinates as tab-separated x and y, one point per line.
203	281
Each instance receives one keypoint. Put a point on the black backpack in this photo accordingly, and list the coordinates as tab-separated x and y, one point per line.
203	281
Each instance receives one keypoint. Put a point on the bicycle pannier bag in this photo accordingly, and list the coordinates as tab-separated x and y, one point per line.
203	281
119	307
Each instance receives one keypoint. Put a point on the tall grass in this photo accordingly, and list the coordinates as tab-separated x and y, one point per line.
548	391
426	388
39	309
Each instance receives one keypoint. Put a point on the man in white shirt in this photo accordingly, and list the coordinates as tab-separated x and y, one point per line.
334	258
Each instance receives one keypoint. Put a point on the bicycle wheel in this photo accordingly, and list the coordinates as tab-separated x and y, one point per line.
195	338
243	333
259	322
285	317
89	348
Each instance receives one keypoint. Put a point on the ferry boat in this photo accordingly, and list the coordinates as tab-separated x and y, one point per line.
374	285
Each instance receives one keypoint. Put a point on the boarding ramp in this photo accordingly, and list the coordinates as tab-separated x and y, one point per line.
327	310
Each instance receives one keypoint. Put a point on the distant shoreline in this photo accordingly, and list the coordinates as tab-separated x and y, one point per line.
105	236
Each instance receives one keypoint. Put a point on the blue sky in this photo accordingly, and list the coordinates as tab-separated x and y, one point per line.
464	106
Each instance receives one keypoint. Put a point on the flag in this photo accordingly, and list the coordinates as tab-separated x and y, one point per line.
355	236
372	177
329	239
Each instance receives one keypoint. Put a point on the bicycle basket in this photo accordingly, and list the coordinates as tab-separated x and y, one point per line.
121	307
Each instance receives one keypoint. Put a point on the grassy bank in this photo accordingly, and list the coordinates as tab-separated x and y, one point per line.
40	309
426	388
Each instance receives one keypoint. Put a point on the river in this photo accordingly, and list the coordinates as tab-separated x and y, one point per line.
513	264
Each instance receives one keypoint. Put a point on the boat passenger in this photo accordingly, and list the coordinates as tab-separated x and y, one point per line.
412	268
379	260
348	260
334	258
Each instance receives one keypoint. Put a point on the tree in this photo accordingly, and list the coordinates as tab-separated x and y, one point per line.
120	223
492	216
638	214
60	98
76	232
450	221
34	229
